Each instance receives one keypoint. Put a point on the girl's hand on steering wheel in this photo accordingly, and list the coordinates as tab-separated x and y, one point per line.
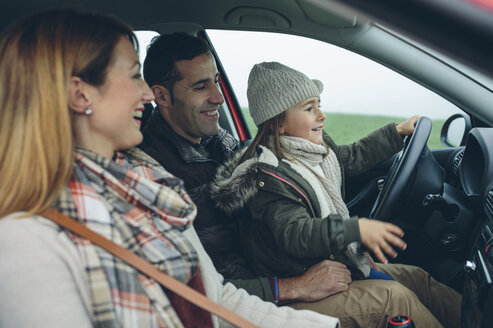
407	128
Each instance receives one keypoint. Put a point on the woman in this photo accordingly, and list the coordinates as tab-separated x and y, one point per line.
70	92
288	185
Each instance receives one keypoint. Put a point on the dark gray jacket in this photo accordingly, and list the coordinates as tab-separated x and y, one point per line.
283	233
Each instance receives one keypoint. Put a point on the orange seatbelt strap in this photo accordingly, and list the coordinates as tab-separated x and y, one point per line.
147	268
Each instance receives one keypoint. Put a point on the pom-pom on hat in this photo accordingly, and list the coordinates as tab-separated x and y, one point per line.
273	88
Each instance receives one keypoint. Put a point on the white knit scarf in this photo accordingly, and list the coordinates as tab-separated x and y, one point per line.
326	170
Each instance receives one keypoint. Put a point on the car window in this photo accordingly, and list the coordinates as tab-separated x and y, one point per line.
359	95
144	38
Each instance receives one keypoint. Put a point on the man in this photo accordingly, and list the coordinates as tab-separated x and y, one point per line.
183	135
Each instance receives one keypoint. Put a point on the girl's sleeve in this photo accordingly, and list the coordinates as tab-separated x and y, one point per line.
368	151
296	232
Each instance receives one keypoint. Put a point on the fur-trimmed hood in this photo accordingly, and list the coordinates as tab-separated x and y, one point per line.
234	185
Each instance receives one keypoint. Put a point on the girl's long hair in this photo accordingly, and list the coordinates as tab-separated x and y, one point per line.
38	55
267	130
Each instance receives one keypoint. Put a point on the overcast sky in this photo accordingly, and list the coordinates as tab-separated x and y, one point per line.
352	83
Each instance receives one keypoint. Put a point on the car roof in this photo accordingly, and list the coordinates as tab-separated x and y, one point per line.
459	28
410	37
290	16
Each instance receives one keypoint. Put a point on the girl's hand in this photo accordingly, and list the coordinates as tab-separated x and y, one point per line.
406	128
379	237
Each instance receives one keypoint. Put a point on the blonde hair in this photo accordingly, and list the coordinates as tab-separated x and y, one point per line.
38	55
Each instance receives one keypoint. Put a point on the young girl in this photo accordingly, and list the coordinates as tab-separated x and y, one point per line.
291	177
287	187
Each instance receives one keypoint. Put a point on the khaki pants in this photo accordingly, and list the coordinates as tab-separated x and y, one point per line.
370	303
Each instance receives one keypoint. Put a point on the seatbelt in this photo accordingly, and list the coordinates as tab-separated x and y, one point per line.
147	268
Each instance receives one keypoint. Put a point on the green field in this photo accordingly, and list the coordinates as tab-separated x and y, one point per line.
347	128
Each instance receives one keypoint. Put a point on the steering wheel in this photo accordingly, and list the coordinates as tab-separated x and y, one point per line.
392	195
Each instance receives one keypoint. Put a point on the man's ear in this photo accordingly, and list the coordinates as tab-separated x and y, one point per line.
78	100
162	96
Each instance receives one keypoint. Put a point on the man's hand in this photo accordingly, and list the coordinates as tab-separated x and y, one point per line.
320	281
407	128
380	236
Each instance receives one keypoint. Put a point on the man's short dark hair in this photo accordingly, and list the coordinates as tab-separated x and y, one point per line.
162	54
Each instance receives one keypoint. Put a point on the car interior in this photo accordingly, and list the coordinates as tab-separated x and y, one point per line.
442	198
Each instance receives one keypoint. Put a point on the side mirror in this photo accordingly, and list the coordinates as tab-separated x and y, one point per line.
455	130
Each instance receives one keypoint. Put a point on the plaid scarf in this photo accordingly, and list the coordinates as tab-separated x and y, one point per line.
134	202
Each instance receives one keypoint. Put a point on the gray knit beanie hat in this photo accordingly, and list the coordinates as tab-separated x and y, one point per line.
273	88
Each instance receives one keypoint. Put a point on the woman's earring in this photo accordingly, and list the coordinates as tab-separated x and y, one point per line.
88	112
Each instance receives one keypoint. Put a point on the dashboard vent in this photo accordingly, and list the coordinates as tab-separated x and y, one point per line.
488	204
456	162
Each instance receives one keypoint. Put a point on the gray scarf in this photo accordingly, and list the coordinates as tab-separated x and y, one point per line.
326	170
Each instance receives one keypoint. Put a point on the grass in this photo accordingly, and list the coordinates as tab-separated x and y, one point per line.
347	128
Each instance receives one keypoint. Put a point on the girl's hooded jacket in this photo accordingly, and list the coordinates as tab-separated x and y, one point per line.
282	231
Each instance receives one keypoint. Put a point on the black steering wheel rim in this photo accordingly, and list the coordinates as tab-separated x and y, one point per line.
392	193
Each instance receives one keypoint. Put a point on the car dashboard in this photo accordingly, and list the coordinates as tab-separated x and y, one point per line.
476	179
475	171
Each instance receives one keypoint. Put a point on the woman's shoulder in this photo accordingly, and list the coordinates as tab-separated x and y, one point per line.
40	265
14	223
25	240
22	234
